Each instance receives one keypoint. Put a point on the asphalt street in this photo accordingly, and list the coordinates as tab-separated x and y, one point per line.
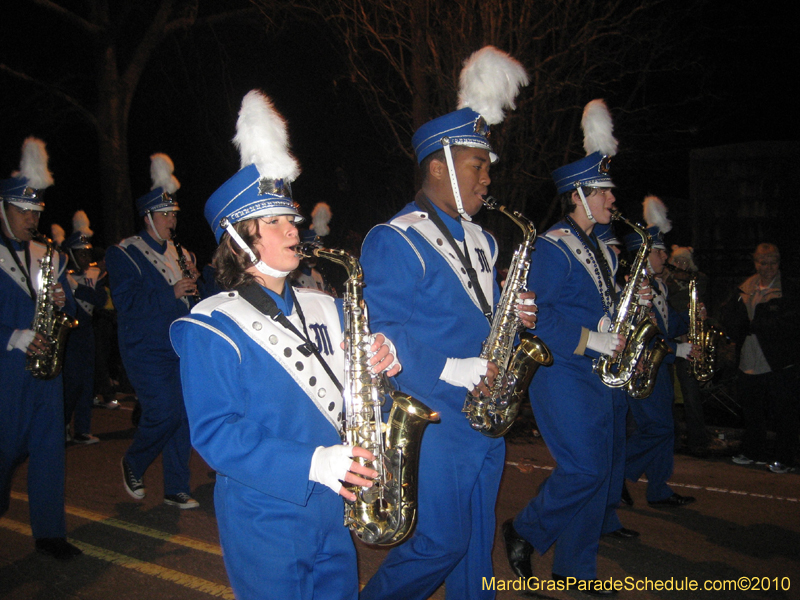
743	531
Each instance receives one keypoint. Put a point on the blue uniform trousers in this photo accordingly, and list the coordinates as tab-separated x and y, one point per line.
164	427
32	426
79	379
585	433
650	449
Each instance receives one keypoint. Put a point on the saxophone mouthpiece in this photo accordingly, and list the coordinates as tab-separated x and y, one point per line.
490	202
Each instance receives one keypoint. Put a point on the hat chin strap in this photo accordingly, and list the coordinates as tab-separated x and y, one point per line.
586	208
451	170
5	222
259	264
153	226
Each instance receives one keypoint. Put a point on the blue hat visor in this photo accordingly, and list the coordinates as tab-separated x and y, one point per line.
16	191
463	127
633	241
156	200
590	171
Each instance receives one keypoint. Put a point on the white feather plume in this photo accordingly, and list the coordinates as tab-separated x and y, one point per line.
598	129
33	165
80	222
161	169
489	83
320	217
57	233
262	139
655	214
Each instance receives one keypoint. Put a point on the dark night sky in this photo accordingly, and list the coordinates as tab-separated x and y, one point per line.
187	102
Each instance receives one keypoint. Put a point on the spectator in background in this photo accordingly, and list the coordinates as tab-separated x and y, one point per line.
763	319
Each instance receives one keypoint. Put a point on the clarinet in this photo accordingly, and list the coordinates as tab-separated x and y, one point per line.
194	298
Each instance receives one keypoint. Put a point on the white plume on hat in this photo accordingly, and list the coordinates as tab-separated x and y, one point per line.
262	139
320	217
598	129
161	169
33	164
655	214
489	83
80	223
57	233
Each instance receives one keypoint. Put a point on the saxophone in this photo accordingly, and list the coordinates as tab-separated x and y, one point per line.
384	514
699	335
493	415
631	319
52	323
641	384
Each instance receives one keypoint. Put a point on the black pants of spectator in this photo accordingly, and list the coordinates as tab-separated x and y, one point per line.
770	394
696	436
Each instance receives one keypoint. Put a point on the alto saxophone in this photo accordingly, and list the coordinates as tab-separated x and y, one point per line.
641	384
494	414
700	335
631	319
384	514
52	323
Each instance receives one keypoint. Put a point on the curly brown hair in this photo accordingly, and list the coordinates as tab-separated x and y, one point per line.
230	262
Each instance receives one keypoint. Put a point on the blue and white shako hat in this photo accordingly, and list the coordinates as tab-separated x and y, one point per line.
600	145
605	233
81	234
25	188
160	197
488	84
262	186
655	215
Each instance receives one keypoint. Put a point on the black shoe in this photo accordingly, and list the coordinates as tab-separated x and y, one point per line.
518	550
58	548
674	500
623	533
587	588
626	495
133	486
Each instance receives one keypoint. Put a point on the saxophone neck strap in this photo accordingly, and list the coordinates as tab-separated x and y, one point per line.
25	269
463	257
262	302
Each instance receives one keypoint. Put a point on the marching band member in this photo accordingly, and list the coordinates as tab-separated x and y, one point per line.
260	365
149	292
32	410
83	280
581	420
435	302
650	449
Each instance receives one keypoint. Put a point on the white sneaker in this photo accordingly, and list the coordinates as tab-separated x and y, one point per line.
741	459
777	467
85	439
182	501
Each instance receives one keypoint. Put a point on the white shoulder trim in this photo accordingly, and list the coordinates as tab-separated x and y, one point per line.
212	329
401	230
209	305
123	245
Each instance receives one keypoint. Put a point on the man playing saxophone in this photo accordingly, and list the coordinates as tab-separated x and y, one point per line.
32	410
431	286
262	366
650	449
581	420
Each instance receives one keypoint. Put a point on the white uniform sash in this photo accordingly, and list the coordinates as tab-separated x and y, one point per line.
478	249
166	264
575	246
37	252
322	323
660	302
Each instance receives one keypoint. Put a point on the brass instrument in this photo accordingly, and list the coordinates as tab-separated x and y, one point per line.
706	338
52	323
641	384
185	271
631	319
493	415
384	514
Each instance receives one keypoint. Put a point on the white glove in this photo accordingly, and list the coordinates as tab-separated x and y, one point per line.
392	350
683	350
645	290
330	465
21	339
604	343
464	372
